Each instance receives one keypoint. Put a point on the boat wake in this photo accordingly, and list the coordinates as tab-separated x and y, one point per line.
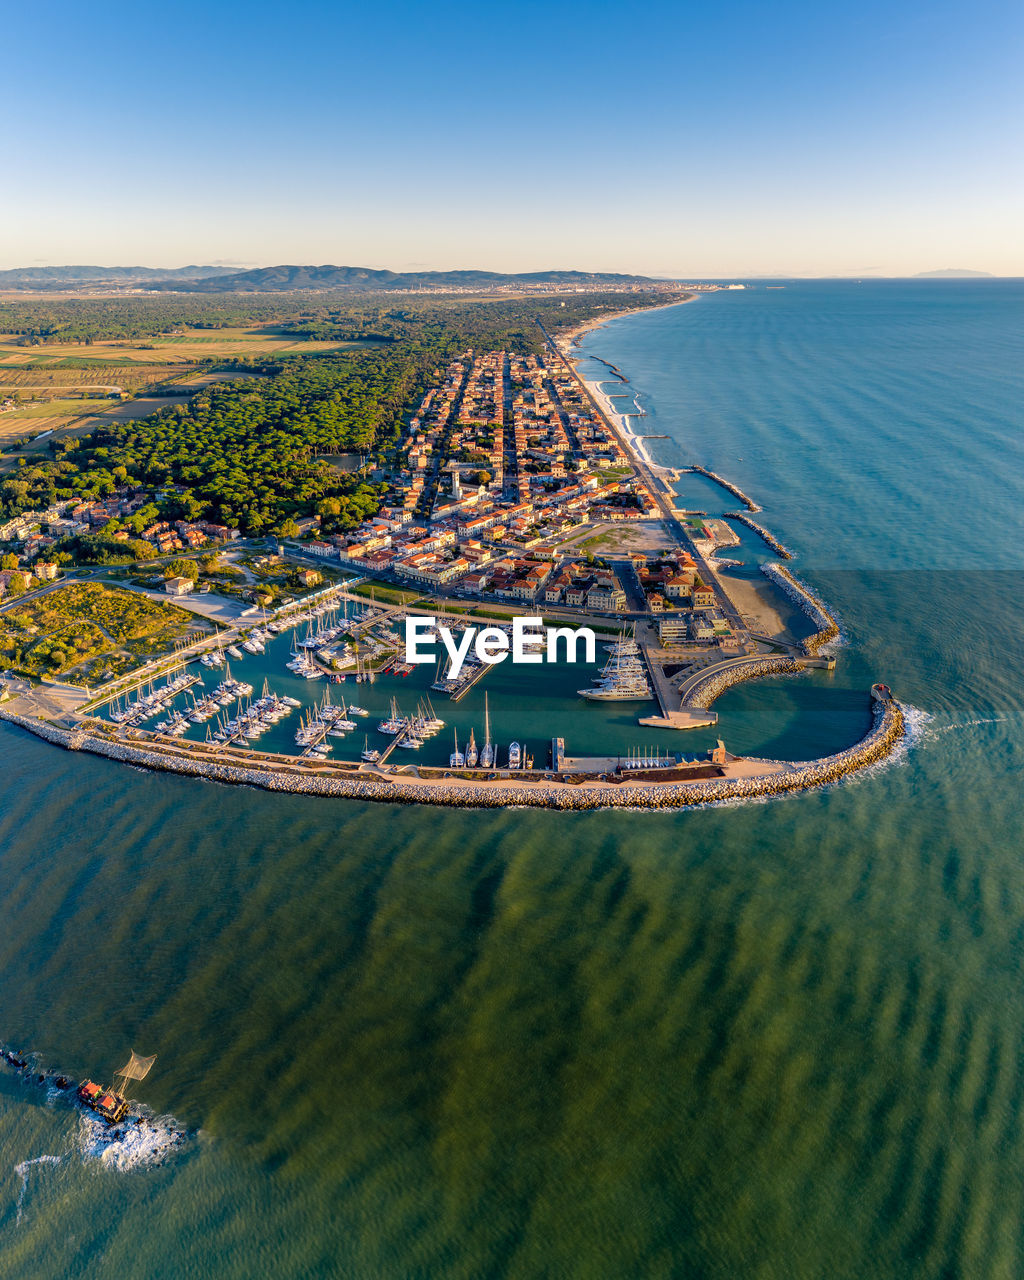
22	1171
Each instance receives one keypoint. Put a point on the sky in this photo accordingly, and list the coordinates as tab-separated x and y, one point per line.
694	140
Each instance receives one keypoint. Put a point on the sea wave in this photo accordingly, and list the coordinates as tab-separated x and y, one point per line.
141	1142
22	1171
967	724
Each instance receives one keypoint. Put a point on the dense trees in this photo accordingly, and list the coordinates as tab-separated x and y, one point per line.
257	453
181	568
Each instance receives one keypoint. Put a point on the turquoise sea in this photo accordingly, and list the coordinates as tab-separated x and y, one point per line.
779	1041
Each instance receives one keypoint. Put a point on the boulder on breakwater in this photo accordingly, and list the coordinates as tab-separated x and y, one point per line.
811	605
716	683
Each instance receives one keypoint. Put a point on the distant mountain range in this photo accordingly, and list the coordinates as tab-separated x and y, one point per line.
48	277
283	279
367	280
947	272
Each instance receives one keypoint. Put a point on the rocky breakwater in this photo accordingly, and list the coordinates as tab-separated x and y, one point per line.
734	489
769	539
777	777
828	628
716	683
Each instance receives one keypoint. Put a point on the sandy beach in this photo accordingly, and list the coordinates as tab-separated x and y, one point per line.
571	337
623	422
568	343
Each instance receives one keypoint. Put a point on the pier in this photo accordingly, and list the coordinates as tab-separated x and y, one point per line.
614	368
474	676
734	489
674	715
811	605
322	730
402	733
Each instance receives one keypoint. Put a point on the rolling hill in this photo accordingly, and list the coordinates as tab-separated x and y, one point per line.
283	279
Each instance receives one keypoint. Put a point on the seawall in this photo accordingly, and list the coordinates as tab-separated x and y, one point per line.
881	740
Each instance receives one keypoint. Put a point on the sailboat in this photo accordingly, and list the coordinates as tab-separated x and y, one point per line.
393	723
370	754
471	752
341	720
457	760
487	750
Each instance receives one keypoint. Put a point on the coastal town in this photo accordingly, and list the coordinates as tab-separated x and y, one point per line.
516	491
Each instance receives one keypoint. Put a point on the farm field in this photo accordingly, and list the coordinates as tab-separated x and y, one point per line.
38	382
82	631
16	423
171	349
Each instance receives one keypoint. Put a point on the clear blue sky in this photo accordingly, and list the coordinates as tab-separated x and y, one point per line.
705	139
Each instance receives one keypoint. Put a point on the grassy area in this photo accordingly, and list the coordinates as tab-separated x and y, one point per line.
86	629
30	379
605	628
386	595
19	424
493	613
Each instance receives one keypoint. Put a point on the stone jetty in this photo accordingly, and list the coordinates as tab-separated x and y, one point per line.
704	693
734	489
770	539
828	628
758	778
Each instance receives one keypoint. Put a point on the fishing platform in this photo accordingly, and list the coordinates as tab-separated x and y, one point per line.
111	1104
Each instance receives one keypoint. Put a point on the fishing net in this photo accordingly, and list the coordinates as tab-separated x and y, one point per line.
137	1068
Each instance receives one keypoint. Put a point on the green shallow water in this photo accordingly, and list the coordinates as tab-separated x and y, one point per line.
767	1040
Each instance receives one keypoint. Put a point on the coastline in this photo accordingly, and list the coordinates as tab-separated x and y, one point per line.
568	344
571	337
621	420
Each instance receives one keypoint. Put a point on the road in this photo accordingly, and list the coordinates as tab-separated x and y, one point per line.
630	581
